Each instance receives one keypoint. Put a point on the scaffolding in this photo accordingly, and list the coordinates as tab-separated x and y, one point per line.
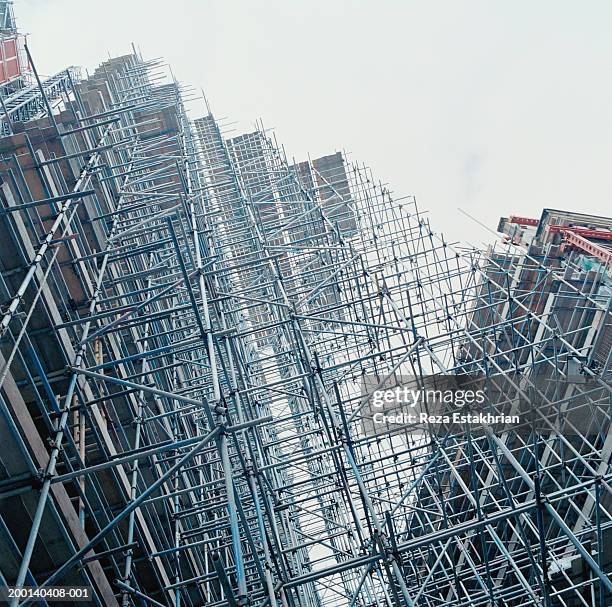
187	322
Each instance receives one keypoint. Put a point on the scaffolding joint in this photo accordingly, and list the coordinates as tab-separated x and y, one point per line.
38	479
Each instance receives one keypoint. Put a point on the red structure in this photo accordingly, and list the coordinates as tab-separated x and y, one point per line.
524	221
584	232
572	239
11	65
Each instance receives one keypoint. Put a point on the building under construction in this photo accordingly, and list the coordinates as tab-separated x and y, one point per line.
187	322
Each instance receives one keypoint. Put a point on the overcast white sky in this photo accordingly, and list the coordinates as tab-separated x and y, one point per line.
495	107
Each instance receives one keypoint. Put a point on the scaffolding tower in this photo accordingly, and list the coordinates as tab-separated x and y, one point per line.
187	322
